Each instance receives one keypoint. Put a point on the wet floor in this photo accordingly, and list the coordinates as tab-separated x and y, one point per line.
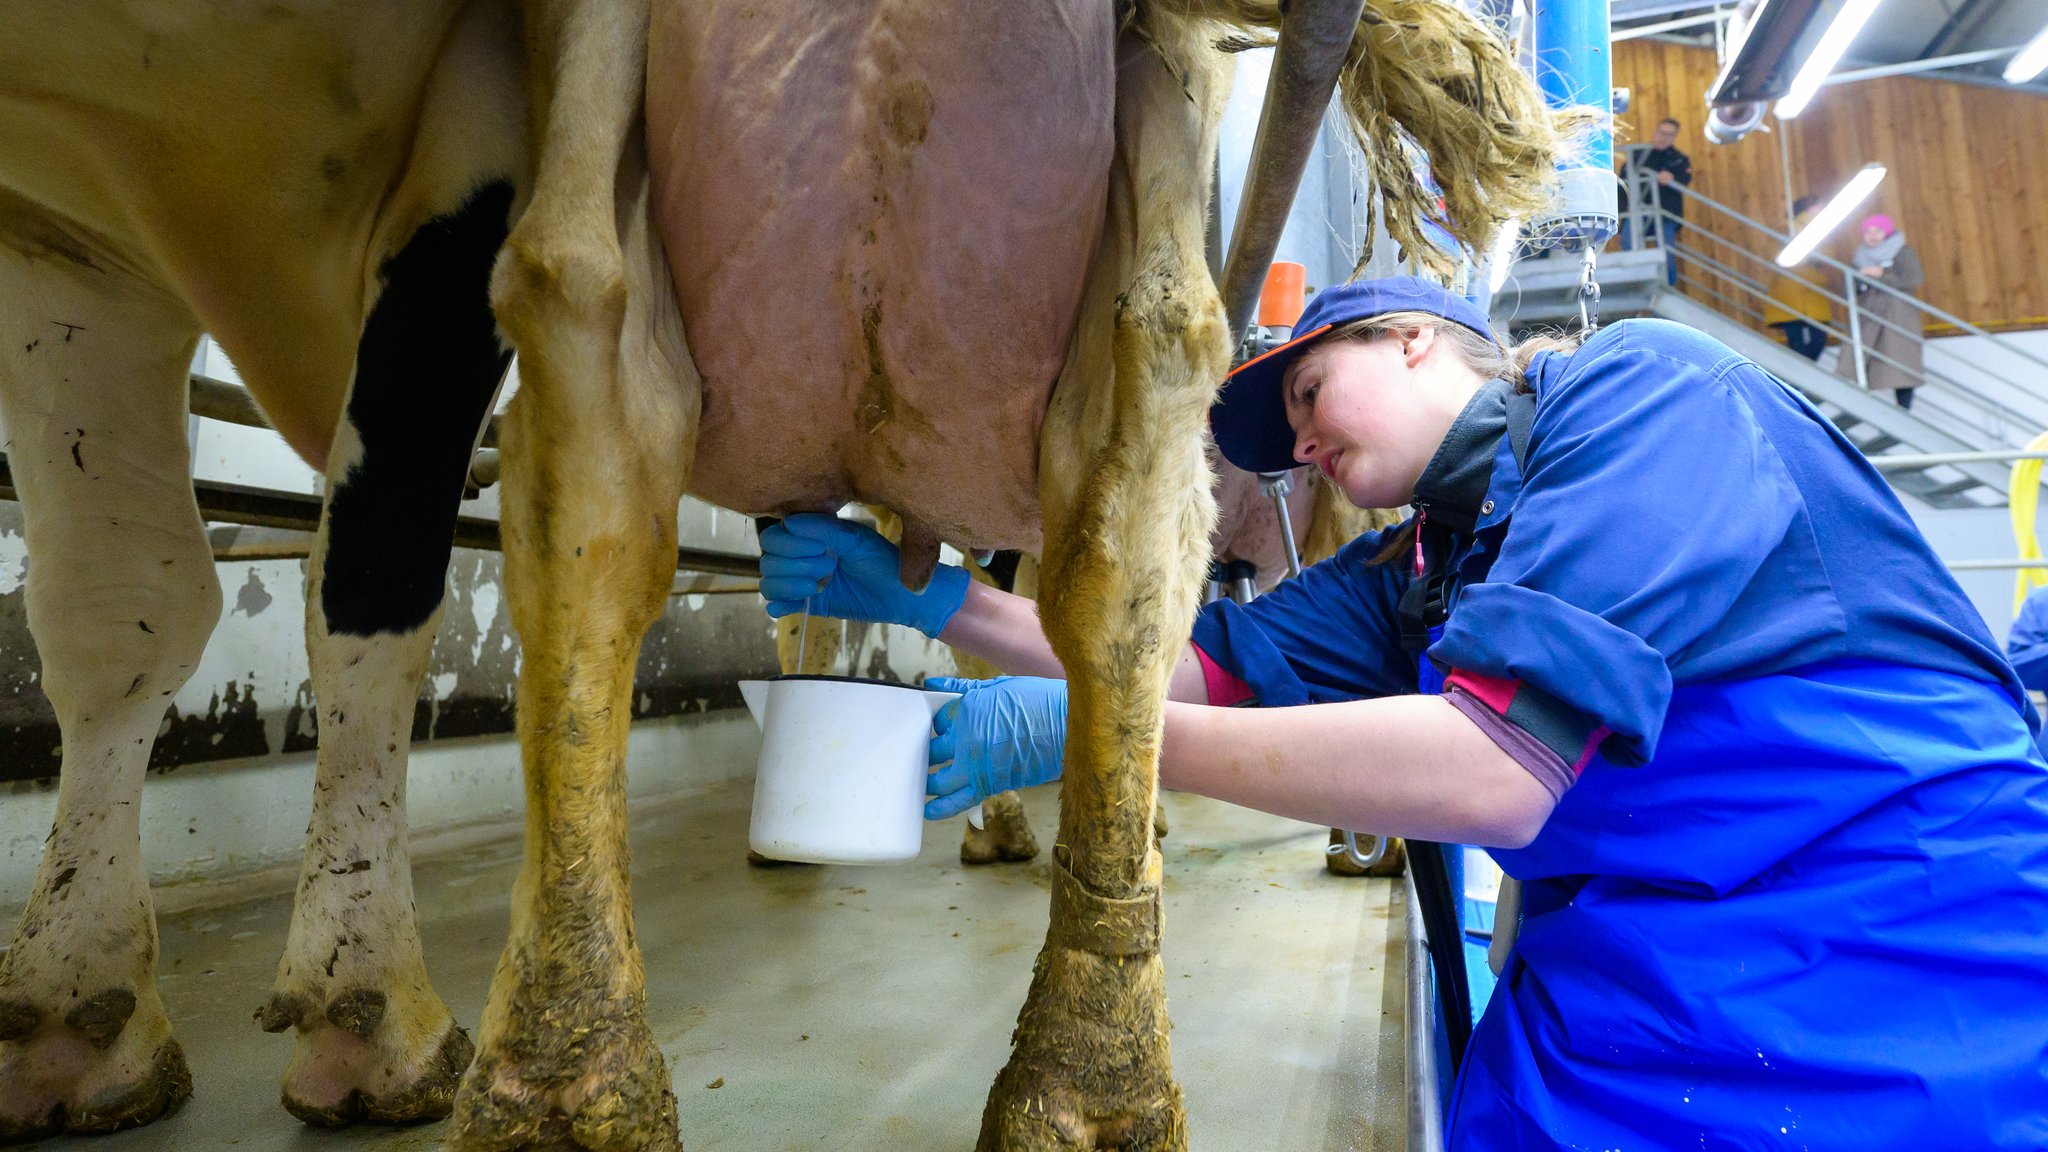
867	1009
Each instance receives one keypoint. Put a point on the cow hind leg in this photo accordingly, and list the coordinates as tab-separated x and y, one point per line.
1128	514
597	446
1005	835
373	1040
121	598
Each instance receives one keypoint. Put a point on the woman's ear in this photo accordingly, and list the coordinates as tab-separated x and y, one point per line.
1416	343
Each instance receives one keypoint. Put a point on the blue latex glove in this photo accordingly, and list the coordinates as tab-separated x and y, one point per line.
1002	734
849	571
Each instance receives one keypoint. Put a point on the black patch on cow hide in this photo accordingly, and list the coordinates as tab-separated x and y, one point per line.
426	370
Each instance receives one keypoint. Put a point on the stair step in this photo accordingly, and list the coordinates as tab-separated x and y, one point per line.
1951	488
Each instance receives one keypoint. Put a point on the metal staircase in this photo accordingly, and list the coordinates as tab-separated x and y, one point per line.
1870	419
1726	274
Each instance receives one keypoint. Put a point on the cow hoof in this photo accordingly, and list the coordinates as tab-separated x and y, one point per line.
567	1092
361	1059
98	1068
1005	834
1089	1065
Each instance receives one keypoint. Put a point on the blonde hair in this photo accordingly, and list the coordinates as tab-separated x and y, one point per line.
1484	355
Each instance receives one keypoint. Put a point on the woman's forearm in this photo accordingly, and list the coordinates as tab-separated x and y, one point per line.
1003	629
1399	766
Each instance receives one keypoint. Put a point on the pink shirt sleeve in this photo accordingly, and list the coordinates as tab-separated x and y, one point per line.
1225	689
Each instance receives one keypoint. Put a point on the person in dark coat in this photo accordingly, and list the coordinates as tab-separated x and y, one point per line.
1890	327
1672	168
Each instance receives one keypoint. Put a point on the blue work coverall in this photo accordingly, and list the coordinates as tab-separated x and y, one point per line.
1797	896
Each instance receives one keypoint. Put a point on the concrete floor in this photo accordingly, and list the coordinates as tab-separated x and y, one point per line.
869	1008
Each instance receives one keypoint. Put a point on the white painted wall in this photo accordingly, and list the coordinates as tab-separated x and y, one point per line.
211	821
245	820
1326	228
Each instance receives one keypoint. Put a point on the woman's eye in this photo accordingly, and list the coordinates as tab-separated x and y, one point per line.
1308	395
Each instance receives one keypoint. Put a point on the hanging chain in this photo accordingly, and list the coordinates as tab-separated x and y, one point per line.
1589	294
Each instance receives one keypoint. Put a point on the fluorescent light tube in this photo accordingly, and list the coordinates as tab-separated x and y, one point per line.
2031	60
1503	255
1855	192
1833	43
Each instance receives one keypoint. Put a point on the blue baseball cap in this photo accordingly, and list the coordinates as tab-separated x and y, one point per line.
1249	418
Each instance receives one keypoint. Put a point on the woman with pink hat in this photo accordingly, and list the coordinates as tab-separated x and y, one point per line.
1890	335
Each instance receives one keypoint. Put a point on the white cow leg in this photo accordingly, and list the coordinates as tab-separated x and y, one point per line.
121	598
373	1040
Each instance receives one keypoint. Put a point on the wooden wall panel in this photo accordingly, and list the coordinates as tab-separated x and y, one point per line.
1968	182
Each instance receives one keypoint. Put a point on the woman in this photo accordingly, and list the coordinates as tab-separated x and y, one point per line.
1890	326
1795	304
1665	641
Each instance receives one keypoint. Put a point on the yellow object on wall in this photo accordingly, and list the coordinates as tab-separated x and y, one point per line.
2023	496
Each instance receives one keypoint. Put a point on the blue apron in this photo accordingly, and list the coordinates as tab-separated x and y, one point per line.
1707	940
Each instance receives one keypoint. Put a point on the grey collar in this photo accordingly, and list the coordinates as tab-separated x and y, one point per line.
1454	483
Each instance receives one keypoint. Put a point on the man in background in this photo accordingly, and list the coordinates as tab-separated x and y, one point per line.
1672	168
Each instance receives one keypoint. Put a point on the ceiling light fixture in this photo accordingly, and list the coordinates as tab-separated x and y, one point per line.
1841	32
1855	192
2031	61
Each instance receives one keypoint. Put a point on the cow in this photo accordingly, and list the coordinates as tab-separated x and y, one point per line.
764	253
986	219
324	188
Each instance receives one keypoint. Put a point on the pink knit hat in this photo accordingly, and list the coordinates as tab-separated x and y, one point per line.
1879	220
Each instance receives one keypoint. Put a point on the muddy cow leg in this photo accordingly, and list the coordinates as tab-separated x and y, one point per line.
812	651
121	598
374	1042
596	448
1005	835
1128	514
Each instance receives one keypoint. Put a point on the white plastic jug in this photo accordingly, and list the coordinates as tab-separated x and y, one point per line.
841	778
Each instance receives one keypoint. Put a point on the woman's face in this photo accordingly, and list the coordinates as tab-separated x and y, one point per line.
1873	235
1370	413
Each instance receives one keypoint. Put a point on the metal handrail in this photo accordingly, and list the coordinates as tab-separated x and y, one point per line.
1830	262
1992	418
1988	418
1757	286
1728	273
1982	405
1992	406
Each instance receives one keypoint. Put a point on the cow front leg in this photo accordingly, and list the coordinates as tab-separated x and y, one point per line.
597	444
373	1040
121	599
1128	515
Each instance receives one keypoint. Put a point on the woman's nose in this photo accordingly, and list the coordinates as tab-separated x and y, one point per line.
1305	447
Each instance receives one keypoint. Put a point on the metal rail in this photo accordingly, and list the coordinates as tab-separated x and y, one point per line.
267	508
1909	461
1425	1106
1975	400
1315	35
2000	416
1994	565
1830	262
